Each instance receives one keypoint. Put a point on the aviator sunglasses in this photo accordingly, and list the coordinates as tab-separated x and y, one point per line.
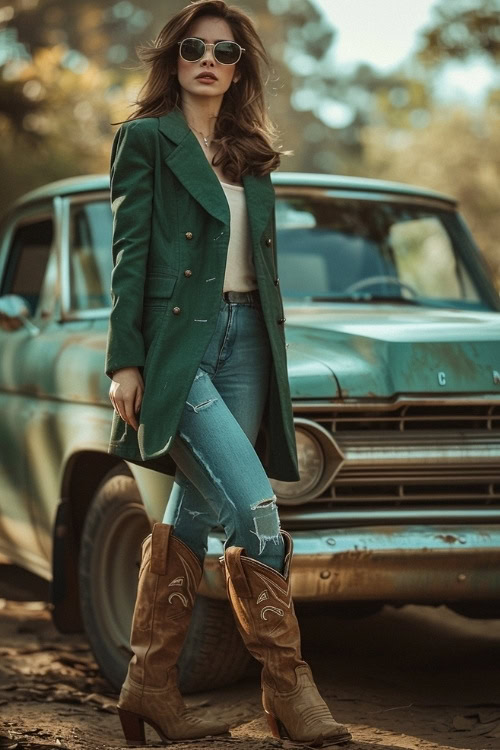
226	53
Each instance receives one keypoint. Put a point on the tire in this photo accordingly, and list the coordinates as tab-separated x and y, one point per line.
213	654
110	549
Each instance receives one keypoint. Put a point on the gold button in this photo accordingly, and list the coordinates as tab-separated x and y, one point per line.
176	310
269	241
189	235
188	273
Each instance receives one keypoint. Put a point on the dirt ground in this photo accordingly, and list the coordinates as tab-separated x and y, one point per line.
416	677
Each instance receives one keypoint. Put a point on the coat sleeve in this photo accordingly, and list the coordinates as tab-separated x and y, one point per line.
131	178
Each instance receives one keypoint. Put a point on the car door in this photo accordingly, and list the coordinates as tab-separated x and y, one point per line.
28	267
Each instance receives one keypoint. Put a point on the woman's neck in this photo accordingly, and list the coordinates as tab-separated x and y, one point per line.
201	116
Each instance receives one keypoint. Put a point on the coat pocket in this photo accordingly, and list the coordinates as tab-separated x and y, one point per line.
158	289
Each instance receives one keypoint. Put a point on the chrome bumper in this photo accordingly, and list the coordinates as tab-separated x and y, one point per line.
413	564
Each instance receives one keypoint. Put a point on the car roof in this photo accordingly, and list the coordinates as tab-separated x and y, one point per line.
91	182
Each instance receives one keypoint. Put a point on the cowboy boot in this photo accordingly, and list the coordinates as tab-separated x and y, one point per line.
263	607
168	579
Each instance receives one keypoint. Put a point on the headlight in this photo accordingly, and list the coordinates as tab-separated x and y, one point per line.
311	468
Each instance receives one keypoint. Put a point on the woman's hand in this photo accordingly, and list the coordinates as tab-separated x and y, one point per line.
125	393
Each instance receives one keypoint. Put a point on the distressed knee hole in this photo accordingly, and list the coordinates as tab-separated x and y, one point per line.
264	503
266	522
204	405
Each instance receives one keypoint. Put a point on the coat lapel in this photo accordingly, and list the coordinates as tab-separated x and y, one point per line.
193	170
191	166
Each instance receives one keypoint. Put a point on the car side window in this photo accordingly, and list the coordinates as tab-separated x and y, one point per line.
28	257
90	255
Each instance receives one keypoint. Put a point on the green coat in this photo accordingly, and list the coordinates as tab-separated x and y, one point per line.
171	217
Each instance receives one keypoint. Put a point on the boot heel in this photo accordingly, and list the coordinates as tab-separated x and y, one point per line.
273	725
133	727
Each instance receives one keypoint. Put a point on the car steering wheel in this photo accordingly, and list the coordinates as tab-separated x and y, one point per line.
371	280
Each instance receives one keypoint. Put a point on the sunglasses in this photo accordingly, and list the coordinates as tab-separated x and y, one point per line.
226	53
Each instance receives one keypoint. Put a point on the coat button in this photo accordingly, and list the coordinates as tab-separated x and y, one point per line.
269	241
281	321
189	235
276	282
176	310
188	273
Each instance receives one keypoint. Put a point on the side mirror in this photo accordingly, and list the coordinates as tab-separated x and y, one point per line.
15	313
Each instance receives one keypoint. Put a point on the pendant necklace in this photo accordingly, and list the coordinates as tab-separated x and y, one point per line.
205	137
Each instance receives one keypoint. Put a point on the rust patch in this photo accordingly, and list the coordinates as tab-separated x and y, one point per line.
448	538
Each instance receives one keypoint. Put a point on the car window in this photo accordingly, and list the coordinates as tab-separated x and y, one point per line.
28	257
90	255
421	244
332	246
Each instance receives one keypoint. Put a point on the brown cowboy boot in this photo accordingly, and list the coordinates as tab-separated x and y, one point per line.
263	607
168	579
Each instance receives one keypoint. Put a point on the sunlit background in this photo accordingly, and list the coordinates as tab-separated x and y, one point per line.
399	89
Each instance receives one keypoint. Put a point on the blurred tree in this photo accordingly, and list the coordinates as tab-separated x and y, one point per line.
462	29
50	49
411	141
102	30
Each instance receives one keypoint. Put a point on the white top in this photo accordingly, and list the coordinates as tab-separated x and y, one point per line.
240	270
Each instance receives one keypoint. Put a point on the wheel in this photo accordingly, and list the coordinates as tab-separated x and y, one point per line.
213	654
110	549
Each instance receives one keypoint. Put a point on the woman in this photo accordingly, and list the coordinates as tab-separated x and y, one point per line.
197	358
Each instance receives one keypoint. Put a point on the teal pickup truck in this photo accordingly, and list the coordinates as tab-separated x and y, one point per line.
393	333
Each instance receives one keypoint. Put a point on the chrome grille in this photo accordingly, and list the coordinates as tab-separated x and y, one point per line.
410	451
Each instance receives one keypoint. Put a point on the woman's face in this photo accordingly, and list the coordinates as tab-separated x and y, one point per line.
211	30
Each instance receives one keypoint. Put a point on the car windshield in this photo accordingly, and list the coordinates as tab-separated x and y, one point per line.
329	248
372	250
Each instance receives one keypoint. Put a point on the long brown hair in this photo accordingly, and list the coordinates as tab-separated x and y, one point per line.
244	134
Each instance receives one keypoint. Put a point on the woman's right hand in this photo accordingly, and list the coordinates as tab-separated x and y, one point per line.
125	393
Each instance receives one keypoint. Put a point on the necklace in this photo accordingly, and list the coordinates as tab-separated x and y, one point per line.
205	138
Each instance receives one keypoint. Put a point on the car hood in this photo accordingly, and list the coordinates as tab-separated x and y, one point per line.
378	351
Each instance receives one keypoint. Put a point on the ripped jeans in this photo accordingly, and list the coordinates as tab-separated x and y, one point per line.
220	480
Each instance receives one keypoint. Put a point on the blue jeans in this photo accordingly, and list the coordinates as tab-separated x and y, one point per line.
220	480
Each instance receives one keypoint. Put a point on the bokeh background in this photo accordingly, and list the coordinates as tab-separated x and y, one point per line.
399	89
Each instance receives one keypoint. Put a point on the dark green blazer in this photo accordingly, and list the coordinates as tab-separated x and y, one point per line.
170	214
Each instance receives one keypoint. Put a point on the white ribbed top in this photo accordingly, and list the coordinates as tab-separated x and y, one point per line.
240	270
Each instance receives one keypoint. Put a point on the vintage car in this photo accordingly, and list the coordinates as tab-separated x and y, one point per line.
393	332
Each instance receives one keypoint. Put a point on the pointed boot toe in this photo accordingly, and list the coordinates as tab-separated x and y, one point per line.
261	600
301	714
